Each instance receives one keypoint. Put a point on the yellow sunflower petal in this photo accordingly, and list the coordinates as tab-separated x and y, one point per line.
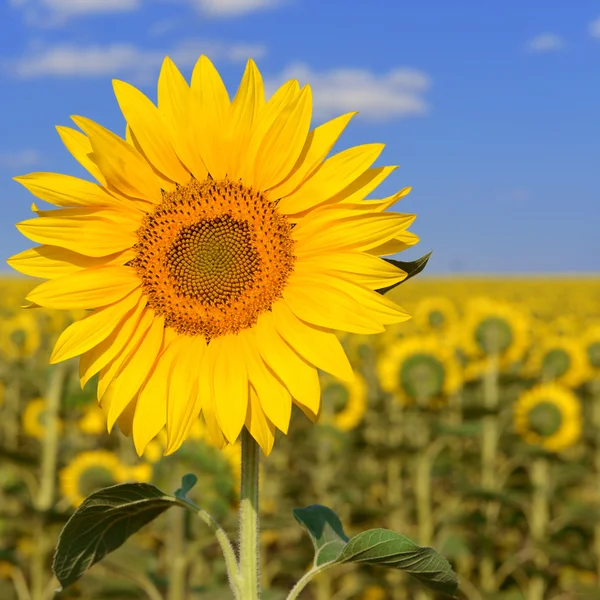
166	185
360	188
283	142
275	399
83	335
88	289
89	231
259	426
336	229
246	105
80	147
319	347
150	131
372	304
183	401
101	355
151	409
50	262
230	386
335	174
120	163
174	102
316	147
344	314
365	269
290	367
113	368
134	372
64	190
207	396
405	240
264	120
125	423
209	116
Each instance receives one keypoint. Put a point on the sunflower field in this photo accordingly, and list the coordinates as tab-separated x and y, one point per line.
474	427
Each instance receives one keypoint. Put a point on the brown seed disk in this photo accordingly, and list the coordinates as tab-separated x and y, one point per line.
213	256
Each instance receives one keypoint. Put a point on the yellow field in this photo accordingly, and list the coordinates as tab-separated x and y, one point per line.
474	428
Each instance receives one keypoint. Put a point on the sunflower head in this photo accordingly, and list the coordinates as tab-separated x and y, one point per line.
420	369
495	328
562	359
19	336
345	402
436	314
218	253
548	416
89	472
35	418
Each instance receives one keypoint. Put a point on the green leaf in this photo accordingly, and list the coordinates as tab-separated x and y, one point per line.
103	522
411	268
325	530
375	547
188	481
390	549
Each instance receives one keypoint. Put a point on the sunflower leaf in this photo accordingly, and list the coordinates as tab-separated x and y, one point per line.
410	268
389	549
103	522
325	530
374	547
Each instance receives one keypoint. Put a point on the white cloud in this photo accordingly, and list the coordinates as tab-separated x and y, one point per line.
396	94
68	60
546	42
594	28
19	160
52	13
232	8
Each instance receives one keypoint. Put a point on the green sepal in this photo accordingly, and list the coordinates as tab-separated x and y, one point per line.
188	481
104	521
410	268
374	547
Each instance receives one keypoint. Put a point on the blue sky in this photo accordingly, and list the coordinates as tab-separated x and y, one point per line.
492	109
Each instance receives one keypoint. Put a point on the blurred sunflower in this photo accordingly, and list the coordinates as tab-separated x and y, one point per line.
19	336
34	419
218	254
491	327
374	592
419	369
591	345
6	569
89	472
92	422
548	415
346	402
562	359
435	314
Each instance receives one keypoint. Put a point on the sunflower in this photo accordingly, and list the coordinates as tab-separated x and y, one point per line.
436	314
419	368
346	402
91	471
218	253
548	415
19	336
493	327
562	359
591	345
35	418
92	422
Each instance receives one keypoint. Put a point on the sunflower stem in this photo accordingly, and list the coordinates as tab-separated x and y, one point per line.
249	520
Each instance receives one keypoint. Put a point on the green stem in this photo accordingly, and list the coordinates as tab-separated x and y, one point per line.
540	476
305	579
176	553
249	520
45	500
489	453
